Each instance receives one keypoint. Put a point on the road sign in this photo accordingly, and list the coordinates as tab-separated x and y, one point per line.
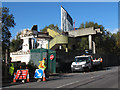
38	73
51	57
21	74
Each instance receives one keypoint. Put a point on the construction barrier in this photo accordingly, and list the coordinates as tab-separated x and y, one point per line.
21	74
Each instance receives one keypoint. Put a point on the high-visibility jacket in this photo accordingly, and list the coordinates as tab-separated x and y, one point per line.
42	65
11	69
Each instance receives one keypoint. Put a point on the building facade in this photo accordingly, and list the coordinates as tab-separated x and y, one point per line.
32	39
66	21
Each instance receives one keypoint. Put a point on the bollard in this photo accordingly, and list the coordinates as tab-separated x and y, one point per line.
28	77
44	79
14	78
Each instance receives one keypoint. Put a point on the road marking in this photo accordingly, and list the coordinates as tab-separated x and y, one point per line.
77	81
67	84
95	76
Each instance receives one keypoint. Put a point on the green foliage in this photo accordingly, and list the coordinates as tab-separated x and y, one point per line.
51	26
86	25
81	26
91	24
7	23
105	43
82	44
44	29
116	38
16	44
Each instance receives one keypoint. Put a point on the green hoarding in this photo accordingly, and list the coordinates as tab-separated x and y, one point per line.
37	55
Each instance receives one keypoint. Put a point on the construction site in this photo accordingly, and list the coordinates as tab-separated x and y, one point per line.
60	43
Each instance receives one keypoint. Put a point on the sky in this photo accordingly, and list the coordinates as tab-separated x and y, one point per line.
43	14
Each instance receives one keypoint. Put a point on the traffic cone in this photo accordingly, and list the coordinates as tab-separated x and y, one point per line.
44	79
28	77
14	78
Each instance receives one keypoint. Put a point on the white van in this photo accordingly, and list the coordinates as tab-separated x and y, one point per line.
82	63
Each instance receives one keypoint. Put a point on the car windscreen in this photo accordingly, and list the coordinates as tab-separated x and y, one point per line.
81	59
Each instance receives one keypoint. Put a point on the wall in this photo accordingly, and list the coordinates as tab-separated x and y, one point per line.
42	43
65	59
25	45
23	58
52	33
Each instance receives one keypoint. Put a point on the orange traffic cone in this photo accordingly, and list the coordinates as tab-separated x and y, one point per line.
14	78
44	79
28	77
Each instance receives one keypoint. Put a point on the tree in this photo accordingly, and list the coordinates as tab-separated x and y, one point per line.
118	39
16	44
106	43
44	29
86	25
51	26
81	26
7	23
101	41
82	44
116	47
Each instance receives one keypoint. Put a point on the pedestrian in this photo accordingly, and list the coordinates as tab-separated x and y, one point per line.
11	70
42	65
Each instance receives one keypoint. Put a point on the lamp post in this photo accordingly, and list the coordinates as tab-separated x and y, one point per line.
41	49
48	54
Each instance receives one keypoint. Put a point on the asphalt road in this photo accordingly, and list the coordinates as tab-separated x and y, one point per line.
107	78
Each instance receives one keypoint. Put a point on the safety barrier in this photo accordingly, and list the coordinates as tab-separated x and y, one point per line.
21	74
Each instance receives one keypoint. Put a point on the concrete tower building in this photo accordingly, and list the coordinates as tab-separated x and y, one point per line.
66	21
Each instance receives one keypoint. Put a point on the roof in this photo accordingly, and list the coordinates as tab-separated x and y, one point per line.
83	56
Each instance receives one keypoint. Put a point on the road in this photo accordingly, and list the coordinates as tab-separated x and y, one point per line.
107	78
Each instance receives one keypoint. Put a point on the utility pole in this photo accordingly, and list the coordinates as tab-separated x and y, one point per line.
6	57
74	24
6	61
48	54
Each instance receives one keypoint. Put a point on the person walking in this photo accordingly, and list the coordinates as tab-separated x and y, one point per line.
42	65
11	71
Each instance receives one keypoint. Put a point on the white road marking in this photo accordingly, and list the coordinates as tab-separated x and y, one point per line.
76	82
67	84
95	76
